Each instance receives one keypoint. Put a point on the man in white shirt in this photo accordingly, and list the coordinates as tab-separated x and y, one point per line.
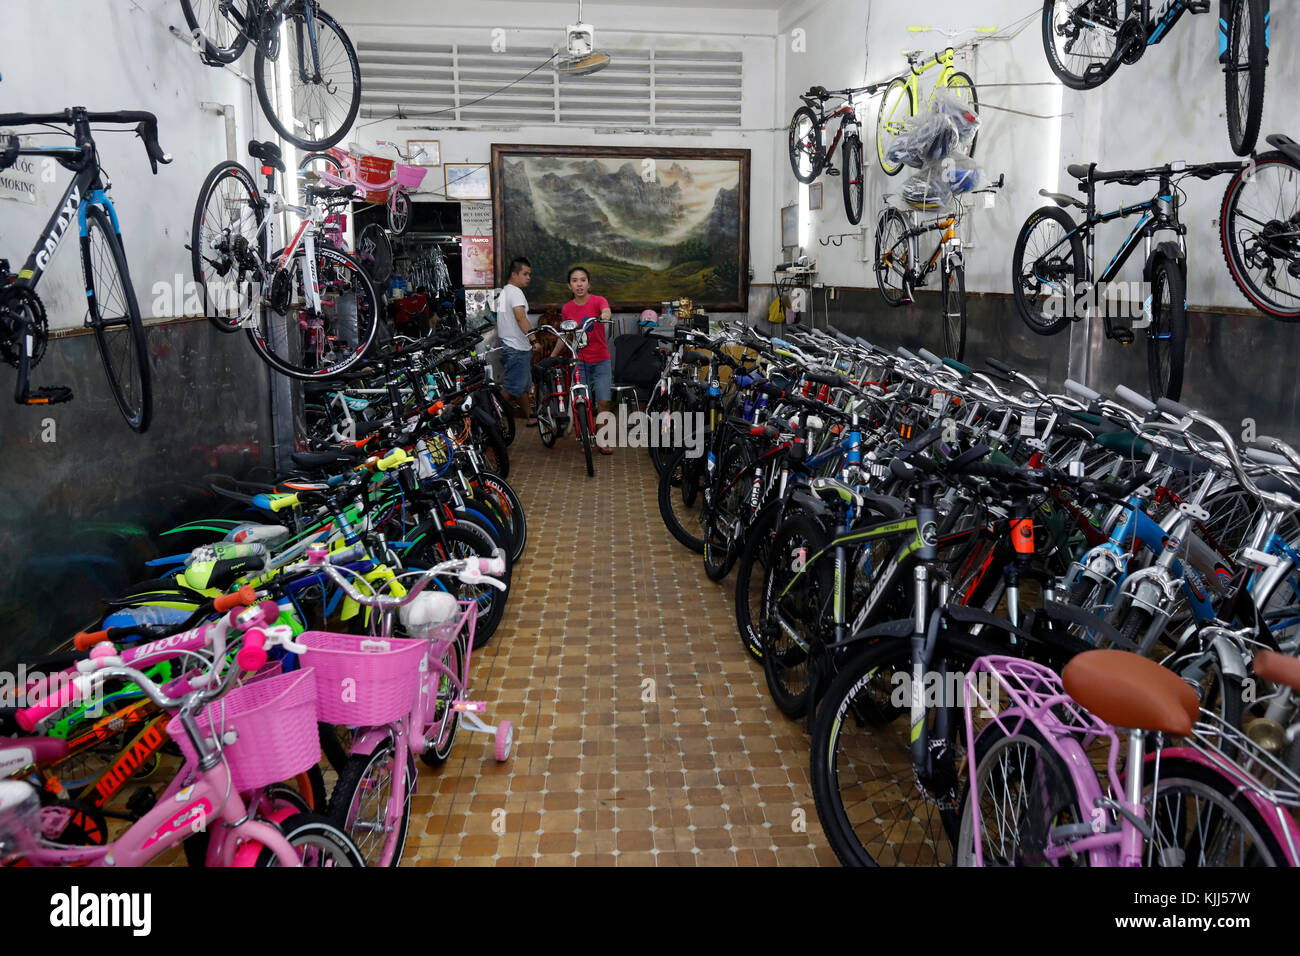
513	328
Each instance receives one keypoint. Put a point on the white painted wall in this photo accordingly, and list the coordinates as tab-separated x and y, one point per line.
1168	106
119	56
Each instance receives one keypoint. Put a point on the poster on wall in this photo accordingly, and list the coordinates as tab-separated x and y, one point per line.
650	224
476	261
19	181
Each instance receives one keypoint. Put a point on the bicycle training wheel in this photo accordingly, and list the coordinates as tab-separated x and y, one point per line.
114	315
324	81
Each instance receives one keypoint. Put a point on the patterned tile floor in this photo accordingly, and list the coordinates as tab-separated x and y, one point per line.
644	735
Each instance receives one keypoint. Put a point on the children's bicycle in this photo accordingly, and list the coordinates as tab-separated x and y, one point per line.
406	697
901	100
1087	41
339	167
310	310
112	311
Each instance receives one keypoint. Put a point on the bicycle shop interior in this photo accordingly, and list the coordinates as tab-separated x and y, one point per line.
651	676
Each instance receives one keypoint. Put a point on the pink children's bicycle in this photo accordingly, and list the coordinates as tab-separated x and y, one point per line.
404	697
338	167
238	740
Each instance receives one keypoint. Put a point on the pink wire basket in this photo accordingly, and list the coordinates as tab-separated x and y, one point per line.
410	176
274	722
360	681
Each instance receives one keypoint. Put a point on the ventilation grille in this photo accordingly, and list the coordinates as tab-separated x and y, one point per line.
459	83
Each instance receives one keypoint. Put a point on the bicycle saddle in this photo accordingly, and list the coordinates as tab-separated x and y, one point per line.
318	460
1285	143
268	153
913	56
827	488
1079	170
818	91
1131	692
330	192
550	362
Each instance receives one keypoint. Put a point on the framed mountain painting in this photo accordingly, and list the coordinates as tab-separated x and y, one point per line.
649	225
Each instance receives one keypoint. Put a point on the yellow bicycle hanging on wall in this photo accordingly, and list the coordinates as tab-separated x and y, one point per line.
902	95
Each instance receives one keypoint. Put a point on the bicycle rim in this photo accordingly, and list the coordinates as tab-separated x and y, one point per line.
220	37
319	108
892	257
897	106
1260	234
115	319
226	243
1072	45
954	312
1244	74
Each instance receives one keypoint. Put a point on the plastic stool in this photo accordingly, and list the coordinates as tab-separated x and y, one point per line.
620	394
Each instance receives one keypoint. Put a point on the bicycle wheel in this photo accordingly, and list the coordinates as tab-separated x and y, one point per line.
1259	230
893	257
954	312
962	86
227	245
807	157
730	513
505	415
1200	819
549	427
114	315
582	421
324	81
795	611
492	447
853	179
897	106
1078	34
359	803
494	488
1024	791
399	211
317	841
376	254
309	169
1167	335
297	343
872	807
219	36
1047	270
431	544
751	571
444	719
680	502
1243	74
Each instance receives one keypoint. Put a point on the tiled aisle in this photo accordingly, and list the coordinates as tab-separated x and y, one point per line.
644	734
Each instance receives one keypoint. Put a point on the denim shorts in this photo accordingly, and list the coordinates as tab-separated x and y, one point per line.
519	376
599	378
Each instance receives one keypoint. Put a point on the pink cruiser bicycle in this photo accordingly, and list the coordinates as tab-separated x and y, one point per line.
239	740
339	167
405	697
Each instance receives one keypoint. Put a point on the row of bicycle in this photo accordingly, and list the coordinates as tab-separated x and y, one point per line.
956	575
333	612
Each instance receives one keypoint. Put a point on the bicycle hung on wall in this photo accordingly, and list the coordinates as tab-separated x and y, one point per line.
309	309
1259	227
900	270
810	157
112	312
1054	274
320	63
901	100
1087	41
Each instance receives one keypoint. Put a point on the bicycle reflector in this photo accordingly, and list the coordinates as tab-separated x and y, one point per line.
267	170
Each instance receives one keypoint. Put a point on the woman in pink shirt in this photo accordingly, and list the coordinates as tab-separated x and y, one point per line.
594	361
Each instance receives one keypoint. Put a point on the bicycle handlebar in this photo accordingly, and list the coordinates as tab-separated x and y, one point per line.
146	125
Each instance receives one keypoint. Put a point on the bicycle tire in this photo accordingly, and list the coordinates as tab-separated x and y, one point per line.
885	118
346	269
1243	130
682	527
1045	325
959	80
462	540
309	168
582	422
399	211
1167	335
492	447
720	549
123	349
753	557
360	796
223	41
805	145
853	179
954	312
1243	252
233	187
379	263
547	411
444	719
496	486
318	840
805	602
335	131
1073	80
891	222
505	415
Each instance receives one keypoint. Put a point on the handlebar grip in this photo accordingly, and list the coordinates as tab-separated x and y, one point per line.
930	357
1170	407
989	469
252	655
954	364
394	459
276	502
833	379
148	132
771	391
1081	390
1133	398
85	640
28	717
904	353
244	596
1268	458
999	366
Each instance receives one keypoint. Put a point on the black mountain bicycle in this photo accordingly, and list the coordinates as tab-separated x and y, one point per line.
810	157
1087	41
1054	276
324	76
112	312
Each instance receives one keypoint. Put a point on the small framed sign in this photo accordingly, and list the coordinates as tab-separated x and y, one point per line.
424	152
815	196
468	181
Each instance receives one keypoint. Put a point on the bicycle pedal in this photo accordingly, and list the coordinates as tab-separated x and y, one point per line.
832	171
1198	6
1123	336
48	395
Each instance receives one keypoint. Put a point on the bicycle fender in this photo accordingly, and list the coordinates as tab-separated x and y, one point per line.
1165	250
366	742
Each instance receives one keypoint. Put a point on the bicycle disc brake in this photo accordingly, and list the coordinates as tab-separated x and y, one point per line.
13	304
